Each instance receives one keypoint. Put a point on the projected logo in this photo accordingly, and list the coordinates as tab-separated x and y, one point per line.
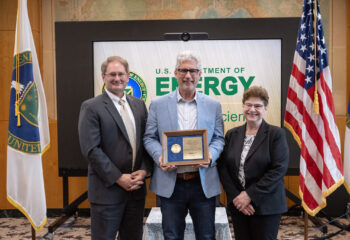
136	86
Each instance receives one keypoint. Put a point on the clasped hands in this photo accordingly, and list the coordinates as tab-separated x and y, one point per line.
173	167
243	203
132	181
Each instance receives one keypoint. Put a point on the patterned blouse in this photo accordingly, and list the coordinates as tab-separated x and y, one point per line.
248	141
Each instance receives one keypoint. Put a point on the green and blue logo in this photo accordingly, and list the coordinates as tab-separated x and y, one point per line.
136	86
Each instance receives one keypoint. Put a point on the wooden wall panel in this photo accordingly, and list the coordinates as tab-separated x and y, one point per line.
338	55
292	184
4	204
8	10
341	121
48	53
53	184
151	197
7	39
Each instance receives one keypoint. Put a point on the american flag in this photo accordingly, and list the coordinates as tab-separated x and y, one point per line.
317	134
347	151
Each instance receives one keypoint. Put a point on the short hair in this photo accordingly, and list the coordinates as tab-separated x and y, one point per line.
256	91
110	59
188	56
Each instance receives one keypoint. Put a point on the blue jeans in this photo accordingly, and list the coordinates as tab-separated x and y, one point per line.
188	195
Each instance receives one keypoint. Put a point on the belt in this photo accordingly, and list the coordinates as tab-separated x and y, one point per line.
188	175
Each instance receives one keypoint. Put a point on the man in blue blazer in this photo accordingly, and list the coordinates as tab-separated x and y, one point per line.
186	188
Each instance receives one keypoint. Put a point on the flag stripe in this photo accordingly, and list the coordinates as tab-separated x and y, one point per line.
331	146
310	199
315	171
307	121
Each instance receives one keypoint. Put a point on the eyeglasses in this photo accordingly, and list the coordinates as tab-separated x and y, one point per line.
183	71
256	106
113	75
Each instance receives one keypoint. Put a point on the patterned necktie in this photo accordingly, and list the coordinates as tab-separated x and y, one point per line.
129	129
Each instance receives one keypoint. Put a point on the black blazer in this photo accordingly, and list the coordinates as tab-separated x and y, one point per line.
265	166
105	144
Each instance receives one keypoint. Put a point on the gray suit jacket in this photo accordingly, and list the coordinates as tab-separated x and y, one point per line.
163	117
105	144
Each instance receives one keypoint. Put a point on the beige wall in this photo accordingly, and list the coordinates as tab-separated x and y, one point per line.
43	14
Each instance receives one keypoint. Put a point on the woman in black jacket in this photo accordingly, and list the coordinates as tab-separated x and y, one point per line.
252	166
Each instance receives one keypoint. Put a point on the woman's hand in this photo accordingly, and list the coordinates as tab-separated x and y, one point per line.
242	201
249	210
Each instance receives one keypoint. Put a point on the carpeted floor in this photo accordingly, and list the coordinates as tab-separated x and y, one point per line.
79	228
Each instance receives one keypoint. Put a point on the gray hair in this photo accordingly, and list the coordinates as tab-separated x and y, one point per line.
188	56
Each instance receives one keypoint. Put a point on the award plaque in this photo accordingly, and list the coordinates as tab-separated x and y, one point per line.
185	147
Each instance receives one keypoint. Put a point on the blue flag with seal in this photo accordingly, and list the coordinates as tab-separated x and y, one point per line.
28	133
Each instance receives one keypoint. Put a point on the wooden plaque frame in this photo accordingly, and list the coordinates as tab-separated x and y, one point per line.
185	133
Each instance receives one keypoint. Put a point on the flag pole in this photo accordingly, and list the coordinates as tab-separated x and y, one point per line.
306	223
33	233
315	105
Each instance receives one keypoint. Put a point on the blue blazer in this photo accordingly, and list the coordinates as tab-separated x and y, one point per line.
162	116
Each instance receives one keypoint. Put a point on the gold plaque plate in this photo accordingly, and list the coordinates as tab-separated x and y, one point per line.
192	148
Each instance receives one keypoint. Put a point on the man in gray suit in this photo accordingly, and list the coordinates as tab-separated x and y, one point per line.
185	188
111	128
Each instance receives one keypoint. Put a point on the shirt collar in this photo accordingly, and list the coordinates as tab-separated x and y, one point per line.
114	97
181	99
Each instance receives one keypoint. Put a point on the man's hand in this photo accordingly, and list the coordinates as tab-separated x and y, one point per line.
125	181
139	174
165	168
242	201
137	179
204	165
133	181
201	165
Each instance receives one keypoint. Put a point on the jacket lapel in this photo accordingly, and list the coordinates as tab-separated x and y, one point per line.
201	112
259	138
240	135
115	114
172	110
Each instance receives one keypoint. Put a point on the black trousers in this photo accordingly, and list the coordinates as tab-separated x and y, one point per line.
256	227
125	217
